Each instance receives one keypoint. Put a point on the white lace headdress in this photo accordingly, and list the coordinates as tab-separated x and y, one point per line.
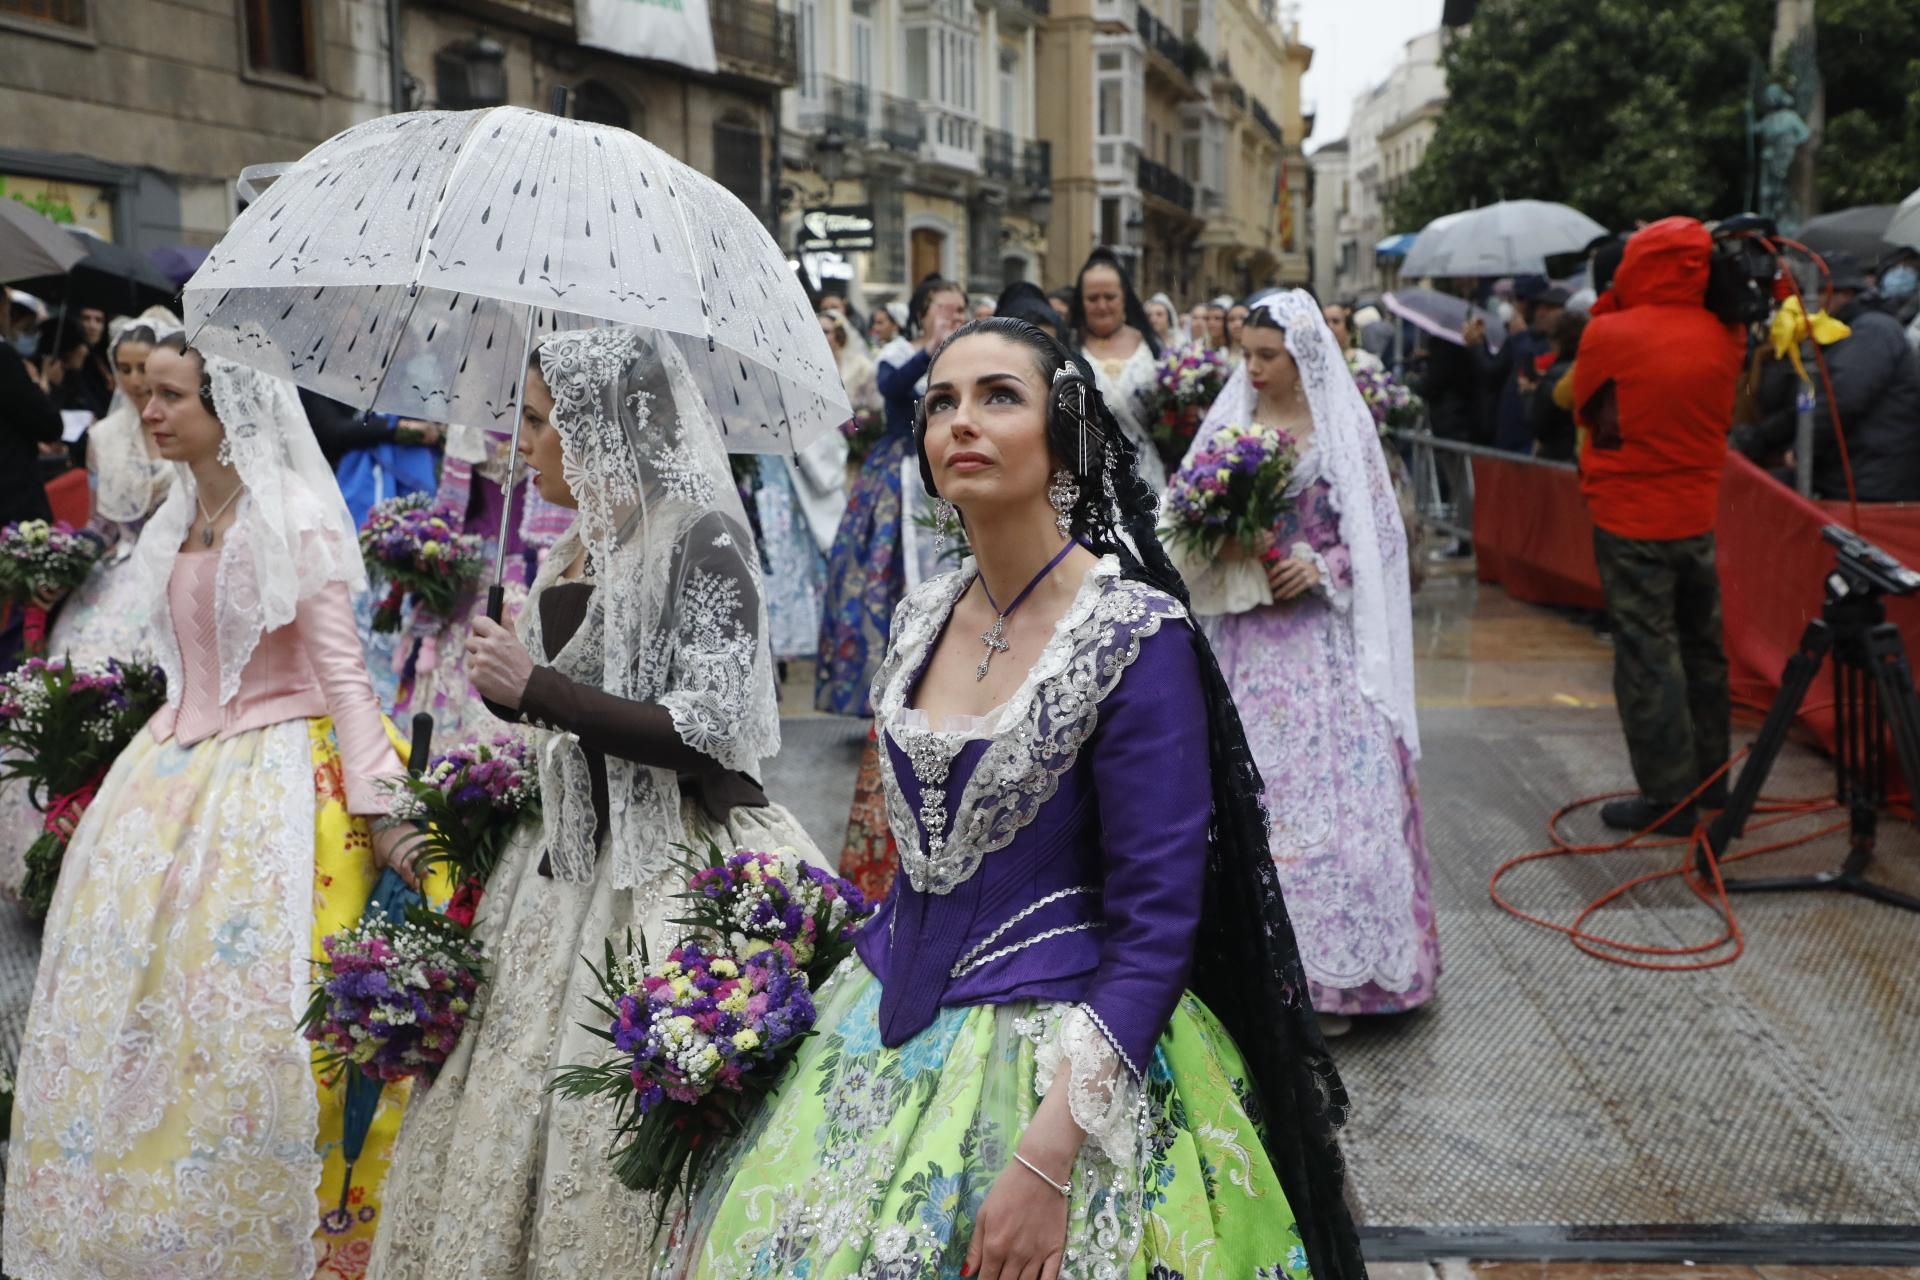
124	474
678	617
1348	444
291	534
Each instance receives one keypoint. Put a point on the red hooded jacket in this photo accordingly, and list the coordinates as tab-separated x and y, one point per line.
1654	383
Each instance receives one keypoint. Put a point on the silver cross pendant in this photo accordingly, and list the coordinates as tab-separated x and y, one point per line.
995	640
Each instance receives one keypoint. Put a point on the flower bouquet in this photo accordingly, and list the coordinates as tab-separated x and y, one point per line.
394	997
861	430
470	800
410	544
1187	383
61	727
1392	402
37	559
1234	488
701	1036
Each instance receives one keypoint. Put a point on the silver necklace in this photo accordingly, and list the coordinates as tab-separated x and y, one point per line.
206	528
995	638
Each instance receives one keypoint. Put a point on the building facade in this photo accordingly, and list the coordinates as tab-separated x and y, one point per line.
1176	129
1331	209
1392	125
918	117
133	117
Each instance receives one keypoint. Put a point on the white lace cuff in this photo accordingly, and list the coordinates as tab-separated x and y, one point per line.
707	725
1218	587
1335	594
1102	1092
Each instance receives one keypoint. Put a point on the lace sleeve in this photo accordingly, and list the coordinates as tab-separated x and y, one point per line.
1103	1095
1219	587
709	675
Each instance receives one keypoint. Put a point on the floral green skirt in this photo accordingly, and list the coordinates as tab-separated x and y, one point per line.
871	1163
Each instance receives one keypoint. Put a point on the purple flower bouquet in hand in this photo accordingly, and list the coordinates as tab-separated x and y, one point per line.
469	802
1393	404
1234	488
410	544
702	1036
394	996
62	724
1186	384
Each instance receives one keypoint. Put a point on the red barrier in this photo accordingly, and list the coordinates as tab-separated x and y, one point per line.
1532	536
70	498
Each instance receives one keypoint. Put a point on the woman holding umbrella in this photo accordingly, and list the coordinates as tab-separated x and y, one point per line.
643	654
171	1120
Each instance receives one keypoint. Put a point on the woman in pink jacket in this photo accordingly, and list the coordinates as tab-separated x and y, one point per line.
168	1121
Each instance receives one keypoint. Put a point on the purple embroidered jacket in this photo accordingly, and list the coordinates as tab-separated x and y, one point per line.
1061	859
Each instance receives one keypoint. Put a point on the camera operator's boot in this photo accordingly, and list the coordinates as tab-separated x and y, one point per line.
1640	814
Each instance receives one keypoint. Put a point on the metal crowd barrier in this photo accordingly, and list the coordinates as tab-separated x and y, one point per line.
1442	477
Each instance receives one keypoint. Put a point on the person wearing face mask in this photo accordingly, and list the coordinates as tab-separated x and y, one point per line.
1899	287
28	417
1111	326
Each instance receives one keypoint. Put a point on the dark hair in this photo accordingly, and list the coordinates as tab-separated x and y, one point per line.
1065	293
1246	962
923	296
139	331
1022	300
1263	318
1566	334
177	343
1136	311
57	340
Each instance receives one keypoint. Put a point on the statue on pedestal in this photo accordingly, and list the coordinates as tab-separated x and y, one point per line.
1779	135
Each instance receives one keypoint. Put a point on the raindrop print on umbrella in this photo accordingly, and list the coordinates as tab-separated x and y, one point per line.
410	264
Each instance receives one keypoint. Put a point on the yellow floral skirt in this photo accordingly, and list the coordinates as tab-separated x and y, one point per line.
169	1120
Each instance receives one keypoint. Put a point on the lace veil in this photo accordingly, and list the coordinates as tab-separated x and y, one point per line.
678	618
291	535
127	482
1356	470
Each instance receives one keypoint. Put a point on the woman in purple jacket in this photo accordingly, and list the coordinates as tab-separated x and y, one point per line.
1076	1040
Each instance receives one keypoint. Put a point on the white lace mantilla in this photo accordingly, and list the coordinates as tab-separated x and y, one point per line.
1045	723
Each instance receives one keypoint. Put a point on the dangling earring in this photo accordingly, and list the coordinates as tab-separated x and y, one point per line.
1061	495
224	454
943	521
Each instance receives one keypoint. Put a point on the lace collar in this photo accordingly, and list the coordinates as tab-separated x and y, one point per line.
1041	730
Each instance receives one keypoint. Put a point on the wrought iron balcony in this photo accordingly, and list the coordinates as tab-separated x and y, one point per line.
1036	166
997	153
901	126
1160	38
1266	121
758	37
838	105
1159	181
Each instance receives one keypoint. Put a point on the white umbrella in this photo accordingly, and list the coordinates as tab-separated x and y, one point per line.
1512	238
1904	230
408	265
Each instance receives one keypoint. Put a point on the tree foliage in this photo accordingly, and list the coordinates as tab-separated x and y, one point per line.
1869	52
1625	109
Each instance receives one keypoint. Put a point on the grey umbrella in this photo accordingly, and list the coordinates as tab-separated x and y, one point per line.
109	276
32	245
1442	315
1860	231
1512	238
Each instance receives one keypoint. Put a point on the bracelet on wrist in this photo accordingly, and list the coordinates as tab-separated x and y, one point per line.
1064	1188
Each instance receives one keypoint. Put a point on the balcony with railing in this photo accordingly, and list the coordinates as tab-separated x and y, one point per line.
1159	36
1021	14
1036	166
1264	118
952	139
839	106
898	123
996	157
753	38
1162	183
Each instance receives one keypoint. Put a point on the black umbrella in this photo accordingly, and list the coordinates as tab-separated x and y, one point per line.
1859	231
111	277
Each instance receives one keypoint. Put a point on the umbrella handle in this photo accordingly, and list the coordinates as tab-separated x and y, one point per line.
422	744
496	601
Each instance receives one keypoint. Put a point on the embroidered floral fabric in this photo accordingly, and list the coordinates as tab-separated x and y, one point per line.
866	577
873	1162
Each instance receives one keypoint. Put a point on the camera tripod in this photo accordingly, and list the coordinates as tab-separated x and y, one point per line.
1873	699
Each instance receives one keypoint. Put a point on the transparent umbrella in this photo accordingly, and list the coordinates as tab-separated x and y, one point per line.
1512	238
409	264
1904	230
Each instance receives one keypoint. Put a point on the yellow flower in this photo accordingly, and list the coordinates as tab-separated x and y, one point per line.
737	1002
724	968
746	1039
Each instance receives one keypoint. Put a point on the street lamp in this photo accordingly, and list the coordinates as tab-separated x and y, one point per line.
830	158
1040	208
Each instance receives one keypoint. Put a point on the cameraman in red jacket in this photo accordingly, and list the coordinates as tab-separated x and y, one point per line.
1654	383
